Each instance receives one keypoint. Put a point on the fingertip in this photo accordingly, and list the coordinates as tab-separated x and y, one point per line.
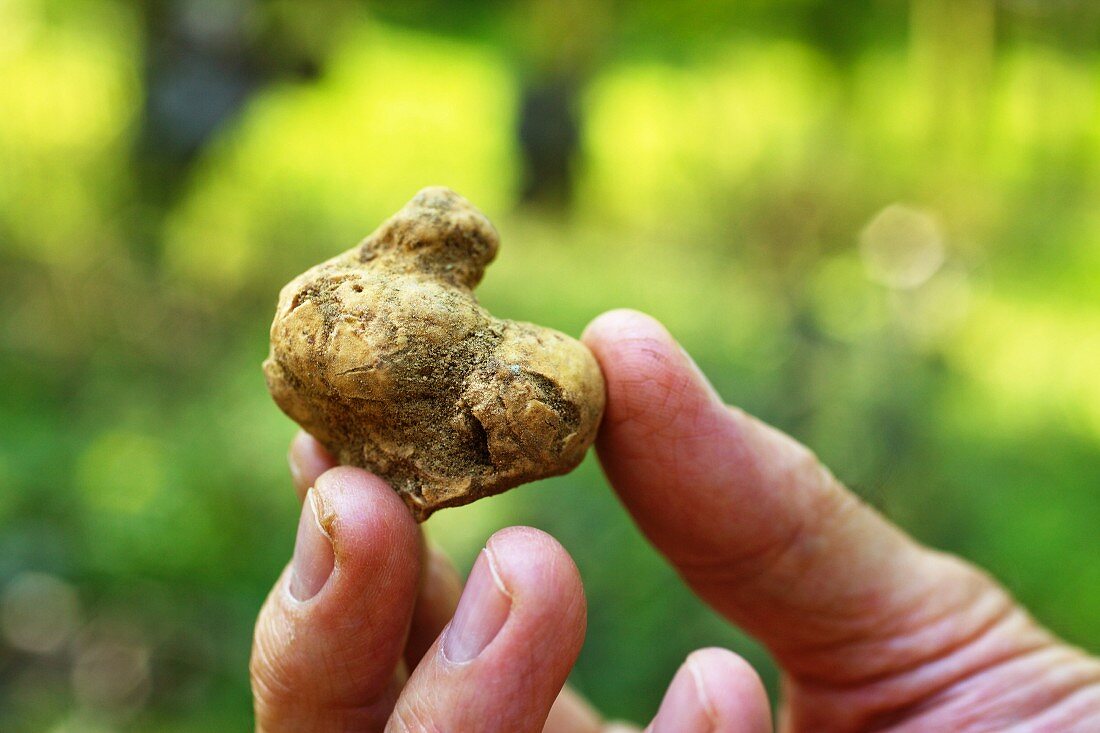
525	537
714	690
534	560
361	493
653	386
541	578
622	324
730	690
371	528
660	409
626	342
307	459
353	482
503	659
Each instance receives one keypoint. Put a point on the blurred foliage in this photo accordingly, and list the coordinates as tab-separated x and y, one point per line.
875	224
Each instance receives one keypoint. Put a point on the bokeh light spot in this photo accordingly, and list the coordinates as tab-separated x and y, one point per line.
902	247
38	612
112	675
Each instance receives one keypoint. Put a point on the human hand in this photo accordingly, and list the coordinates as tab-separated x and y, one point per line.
872	631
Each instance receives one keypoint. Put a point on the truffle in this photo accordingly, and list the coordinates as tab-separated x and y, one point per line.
385	356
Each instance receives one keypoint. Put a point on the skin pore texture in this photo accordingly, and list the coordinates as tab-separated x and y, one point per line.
384	355
872	631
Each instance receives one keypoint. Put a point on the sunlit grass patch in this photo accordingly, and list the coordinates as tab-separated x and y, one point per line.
308	170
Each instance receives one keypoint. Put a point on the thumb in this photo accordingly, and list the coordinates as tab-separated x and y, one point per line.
330	637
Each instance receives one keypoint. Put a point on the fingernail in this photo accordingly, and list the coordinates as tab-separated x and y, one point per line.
685	706
481	613
313	554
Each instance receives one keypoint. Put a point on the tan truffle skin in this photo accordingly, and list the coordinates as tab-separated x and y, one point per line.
384	355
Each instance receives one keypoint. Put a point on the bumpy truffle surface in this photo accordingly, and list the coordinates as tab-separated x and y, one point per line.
384	355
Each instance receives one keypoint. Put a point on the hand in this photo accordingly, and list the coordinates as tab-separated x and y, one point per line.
872	631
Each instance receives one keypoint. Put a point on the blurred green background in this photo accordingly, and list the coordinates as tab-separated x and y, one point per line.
875	223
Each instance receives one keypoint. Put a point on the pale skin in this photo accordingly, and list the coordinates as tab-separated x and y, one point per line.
873	631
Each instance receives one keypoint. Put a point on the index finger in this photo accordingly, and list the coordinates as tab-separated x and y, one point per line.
763	532
308	459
